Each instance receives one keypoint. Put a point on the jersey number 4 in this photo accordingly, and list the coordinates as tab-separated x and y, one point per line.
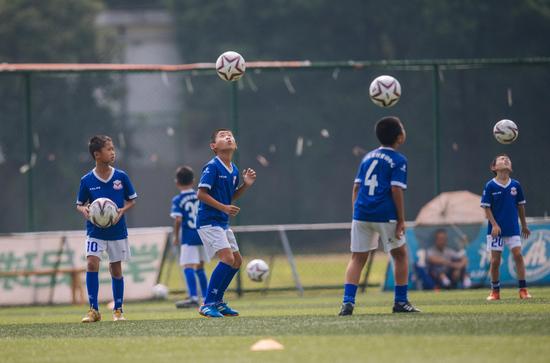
370	178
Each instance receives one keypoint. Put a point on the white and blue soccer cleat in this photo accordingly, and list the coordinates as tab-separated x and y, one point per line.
225	310
210	311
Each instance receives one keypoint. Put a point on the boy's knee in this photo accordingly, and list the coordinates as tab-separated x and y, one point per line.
238	261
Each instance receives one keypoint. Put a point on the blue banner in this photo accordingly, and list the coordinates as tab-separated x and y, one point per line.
535	250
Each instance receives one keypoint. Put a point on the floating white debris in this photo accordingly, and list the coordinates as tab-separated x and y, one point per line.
262	160
289	85
509	96
299	146
358	151
170	131
325	133
272	148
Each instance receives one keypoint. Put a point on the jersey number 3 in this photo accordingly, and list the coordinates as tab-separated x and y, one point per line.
370	178
192	208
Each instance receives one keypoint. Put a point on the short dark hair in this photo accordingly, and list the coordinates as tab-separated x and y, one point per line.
388	130
184	175
494	162
215	134
97	142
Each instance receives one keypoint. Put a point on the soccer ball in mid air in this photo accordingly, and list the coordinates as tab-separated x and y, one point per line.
505	131
257	270
385	91
103	212
230	66
160	291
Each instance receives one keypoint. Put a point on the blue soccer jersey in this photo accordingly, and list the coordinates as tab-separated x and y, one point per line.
186	206
503	201
380	169
117	188
221	182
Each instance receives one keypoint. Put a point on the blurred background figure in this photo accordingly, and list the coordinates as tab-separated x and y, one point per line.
447	266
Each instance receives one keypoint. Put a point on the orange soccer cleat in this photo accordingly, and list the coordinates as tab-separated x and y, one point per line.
494	295
524	294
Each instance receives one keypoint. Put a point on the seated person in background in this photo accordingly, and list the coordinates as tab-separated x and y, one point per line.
447	266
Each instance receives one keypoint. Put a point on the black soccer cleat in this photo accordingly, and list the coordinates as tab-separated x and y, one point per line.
405	307
346	309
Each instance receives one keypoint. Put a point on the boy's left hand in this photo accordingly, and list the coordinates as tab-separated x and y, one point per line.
525	232
249	177
120	214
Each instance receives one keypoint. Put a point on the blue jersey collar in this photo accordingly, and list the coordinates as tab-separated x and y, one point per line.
503	185
230	171
104	180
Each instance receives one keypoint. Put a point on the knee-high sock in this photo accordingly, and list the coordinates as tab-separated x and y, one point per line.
203	282
118	292
216	281
92	284
350	290
191	282
226	282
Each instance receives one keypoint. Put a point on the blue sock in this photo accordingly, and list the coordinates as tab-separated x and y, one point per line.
203	282
118	292
350	291
227	282
216	282
92	284
191	282
495	285
522	284
401	293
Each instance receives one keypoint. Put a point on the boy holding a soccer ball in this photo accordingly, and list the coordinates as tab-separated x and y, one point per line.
104	181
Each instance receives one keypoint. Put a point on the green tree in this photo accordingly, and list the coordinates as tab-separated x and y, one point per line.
66	109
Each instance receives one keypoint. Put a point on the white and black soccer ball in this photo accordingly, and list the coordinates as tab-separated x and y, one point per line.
505	131
230	66
257	270
160	292
385	91
103	212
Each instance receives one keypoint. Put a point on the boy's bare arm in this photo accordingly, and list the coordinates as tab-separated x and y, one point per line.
127	205
176	231
525	232
495	232
204	197
399	201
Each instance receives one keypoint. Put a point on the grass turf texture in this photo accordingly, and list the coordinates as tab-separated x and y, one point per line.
455	326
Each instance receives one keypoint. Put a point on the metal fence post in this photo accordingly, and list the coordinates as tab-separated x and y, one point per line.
436	130
30	147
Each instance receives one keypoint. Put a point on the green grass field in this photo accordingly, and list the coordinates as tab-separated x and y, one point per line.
454	327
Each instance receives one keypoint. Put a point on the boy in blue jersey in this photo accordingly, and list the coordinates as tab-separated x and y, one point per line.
104	181
185	207
379	214
219	187
503	201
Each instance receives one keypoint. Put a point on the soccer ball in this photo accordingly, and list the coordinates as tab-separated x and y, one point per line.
160	292
103	212
257	270
385	91
230	66
505	131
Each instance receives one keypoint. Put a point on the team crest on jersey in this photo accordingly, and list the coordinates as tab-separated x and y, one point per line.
513	191
117	185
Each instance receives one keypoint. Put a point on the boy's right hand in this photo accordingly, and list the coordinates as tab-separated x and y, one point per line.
495	232
399	229
85	211
232	210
